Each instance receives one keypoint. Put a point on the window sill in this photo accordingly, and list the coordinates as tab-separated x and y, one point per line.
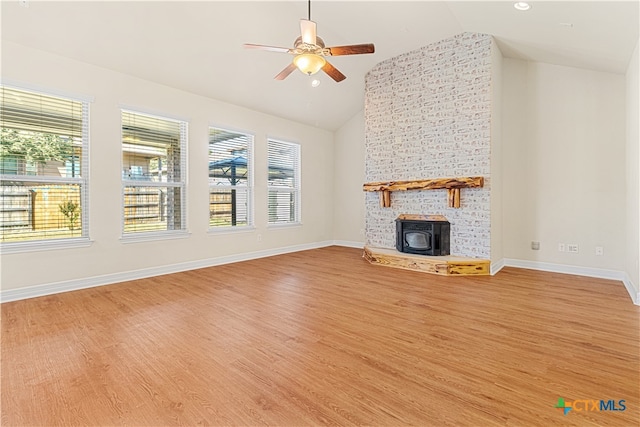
285	225
231	230
154	236
45	245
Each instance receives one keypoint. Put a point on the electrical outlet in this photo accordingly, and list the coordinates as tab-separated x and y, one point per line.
599	250
560	247
572	248
535	246
259	237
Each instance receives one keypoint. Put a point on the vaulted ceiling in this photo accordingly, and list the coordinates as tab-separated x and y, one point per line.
197	46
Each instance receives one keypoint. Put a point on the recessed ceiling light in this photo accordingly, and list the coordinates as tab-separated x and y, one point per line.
315	82
522	5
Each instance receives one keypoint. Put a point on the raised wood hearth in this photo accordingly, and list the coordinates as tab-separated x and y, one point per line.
443	265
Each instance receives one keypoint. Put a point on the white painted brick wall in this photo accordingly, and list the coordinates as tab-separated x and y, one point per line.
428	115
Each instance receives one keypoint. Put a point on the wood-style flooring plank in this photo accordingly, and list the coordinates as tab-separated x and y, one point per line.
322	337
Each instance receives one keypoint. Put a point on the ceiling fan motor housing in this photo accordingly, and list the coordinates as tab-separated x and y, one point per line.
317	48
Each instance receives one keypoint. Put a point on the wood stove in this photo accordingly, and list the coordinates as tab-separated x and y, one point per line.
423	234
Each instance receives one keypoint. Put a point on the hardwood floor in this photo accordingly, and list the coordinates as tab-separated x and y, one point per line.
323	337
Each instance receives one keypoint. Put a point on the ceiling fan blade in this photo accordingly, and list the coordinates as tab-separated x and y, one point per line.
263	47
333	72
354	49
284	73
308	31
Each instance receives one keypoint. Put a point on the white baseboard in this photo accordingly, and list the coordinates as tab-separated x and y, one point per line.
349	244
600	273
496	266
634	291
108	279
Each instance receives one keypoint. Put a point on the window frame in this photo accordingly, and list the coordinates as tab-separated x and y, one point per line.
164	234
83	181
249	188
296	190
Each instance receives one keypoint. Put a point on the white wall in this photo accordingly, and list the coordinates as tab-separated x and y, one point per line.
563	147
348	214
633	176
495	181
563	164
108	255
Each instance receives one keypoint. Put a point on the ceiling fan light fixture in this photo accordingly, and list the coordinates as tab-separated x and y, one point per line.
309	51
309	63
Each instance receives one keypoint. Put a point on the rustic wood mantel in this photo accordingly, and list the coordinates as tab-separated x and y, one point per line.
452	185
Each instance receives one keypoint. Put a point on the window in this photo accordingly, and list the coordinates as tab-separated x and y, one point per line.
284	182
43	167
230	178
153	174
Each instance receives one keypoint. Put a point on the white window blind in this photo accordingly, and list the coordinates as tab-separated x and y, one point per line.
230	178
153	173
283	183
44	165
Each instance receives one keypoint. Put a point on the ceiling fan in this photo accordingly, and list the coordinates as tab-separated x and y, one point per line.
310	52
